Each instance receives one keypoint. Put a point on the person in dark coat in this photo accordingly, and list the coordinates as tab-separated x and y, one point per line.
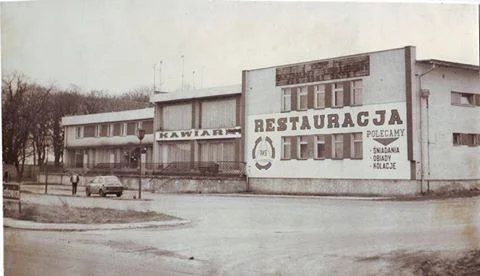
74	179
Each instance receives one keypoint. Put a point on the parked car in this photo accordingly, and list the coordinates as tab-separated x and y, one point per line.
104	185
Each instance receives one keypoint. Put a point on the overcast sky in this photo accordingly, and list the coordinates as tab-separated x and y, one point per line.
113	45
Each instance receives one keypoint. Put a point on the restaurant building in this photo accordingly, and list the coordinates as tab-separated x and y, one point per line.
199	128
107	140
373	123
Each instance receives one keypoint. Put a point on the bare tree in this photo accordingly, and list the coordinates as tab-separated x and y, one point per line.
22	108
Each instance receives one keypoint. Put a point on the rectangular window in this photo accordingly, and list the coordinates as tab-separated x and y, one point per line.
337	149
465	139
319	147
319	97
357	91
219	113
132	128
89	131
462	99
148	126
286	99
302	147
302	98
117	129
286	148
103	130
357	146
78	132
337	94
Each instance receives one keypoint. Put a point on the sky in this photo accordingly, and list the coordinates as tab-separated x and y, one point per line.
113	45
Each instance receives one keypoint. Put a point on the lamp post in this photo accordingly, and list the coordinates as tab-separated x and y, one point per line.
140	135
46	170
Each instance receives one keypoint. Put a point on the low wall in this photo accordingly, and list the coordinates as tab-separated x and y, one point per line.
301	186
333	186
452	185
166	184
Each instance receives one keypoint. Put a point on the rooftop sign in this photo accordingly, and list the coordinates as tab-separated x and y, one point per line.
315	71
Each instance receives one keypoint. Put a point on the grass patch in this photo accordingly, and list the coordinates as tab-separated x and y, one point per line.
68	214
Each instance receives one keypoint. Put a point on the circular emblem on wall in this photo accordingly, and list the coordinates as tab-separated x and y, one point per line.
263	153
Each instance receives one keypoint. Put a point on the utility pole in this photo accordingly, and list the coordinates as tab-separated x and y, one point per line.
183	68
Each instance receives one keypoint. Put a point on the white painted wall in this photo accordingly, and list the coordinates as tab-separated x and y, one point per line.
448	161
385	85
104	141
328	168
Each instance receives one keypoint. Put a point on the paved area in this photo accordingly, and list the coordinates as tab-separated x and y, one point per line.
230	235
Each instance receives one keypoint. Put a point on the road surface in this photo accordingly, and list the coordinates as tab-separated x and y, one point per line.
247	235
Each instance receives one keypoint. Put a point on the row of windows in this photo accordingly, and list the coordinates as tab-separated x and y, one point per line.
329	146
466	139
465	99
116	129
336	94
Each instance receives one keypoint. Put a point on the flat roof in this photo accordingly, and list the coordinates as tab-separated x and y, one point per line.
127	115
445	63
197	93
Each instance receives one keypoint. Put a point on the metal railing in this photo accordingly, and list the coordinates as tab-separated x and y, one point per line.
210	168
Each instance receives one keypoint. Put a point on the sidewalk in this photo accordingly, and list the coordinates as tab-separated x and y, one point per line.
29	225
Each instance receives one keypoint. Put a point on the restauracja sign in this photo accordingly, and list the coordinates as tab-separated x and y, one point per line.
330	120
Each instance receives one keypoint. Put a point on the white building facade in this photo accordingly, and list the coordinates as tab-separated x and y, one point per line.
362	124
107	140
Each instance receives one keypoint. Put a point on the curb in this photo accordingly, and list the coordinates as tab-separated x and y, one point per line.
30	225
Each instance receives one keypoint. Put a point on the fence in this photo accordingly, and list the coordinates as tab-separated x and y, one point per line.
227	168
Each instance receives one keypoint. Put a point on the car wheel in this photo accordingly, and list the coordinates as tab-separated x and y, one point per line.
101	193
119	194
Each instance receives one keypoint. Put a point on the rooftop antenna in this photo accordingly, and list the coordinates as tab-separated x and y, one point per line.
193	79
183	67
160	73
154	66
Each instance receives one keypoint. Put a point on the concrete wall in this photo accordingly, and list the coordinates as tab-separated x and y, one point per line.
447	161
333	186
165	184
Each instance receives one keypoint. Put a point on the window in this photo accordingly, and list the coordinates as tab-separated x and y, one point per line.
302	97
286	99
103	131
302	147
319	147
462	98
466	139
319	96
132	128
78	132
337	146
218	113
89	131
148	126
357	91
357	147
286	147
117	129
338	94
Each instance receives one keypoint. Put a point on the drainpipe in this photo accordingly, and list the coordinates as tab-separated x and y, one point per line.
424	135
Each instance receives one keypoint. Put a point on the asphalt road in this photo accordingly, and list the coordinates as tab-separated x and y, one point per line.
243	235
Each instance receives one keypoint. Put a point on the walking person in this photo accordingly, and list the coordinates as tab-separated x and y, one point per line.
74	179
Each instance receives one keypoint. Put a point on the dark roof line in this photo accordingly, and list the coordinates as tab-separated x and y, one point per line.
445	63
